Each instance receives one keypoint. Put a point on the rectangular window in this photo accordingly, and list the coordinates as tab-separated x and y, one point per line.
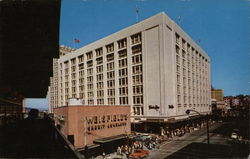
136	49
90	86
183	44
177	38
136	38
137	69
123	100
81	58
110	66
111	92
136	59
137	79
123	72
123	81
177	59
122	43
99	69
90	79
90	94
99	60
177	49
122	53
89	55
73	61
123	62
100	93
110	57
111	83
81	66
138	89
99	77
111	74
90	101
99	52
99	85
90	63
138	99
110	48
111	101
123	91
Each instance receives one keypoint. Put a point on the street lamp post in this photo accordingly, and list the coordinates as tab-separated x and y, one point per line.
129	115
189	110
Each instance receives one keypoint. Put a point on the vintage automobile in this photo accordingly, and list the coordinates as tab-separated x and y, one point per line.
139	154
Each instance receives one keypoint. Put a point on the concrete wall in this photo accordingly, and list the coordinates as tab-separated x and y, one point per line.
151	67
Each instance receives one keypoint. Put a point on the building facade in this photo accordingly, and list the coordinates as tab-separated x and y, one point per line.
152	66
84	124
64	50
217	94
53	88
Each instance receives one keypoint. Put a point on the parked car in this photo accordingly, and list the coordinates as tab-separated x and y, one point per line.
139	154
143	137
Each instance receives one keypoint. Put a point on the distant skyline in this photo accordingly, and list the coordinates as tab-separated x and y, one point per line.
220	27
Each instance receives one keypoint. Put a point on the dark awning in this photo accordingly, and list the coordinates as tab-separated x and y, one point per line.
109	139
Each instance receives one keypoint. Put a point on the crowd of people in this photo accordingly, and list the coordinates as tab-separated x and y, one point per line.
180	131
153	141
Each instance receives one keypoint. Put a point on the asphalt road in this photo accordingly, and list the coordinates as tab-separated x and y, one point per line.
199	136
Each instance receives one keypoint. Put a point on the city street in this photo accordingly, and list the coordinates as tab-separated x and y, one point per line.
195	145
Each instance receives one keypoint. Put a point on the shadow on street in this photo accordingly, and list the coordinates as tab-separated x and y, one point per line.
202	150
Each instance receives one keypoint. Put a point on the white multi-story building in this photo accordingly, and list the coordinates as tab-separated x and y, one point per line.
153	66
53	88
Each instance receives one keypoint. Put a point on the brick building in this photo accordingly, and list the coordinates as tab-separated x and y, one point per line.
82	124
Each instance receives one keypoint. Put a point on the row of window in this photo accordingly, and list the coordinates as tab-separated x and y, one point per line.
186	46
109	48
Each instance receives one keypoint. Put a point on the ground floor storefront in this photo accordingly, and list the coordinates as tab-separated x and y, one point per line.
161	127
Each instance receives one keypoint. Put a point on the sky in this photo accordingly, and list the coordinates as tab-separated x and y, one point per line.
38	103
221	26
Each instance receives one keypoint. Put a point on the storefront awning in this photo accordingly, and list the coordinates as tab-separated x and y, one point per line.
110	139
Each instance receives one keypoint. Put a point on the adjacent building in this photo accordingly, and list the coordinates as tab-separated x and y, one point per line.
152	66
83	125
218	97
237	101
53	88
217	94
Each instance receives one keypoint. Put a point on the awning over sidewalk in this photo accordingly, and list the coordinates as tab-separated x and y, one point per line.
110	139
186	119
